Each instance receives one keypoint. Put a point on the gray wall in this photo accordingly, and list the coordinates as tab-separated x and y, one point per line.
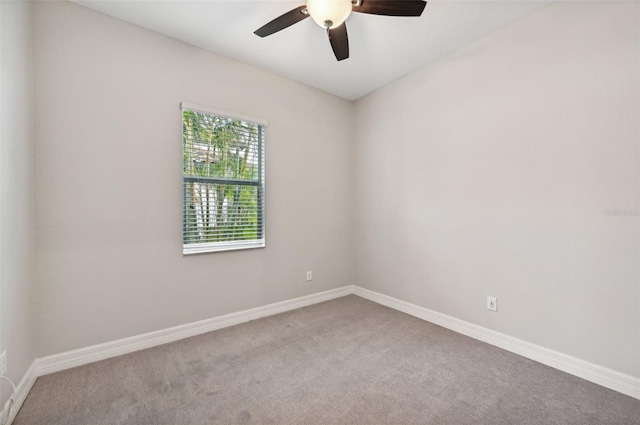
16	190
490	173
108	183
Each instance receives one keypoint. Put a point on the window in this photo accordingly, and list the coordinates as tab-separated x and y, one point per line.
223	181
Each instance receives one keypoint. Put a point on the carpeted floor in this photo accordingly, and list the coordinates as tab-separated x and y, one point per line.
346	361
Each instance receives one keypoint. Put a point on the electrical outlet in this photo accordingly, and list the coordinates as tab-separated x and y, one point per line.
492	303
309	276
3	363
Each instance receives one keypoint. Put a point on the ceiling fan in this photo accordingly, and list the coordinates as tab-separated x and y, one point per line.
332	14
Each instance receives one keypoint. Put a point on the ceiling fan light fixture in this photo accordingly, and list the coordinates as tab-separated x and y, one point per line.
329	13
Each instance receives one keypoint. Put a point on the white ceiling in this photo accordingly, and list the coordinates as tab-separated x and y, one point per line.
382	49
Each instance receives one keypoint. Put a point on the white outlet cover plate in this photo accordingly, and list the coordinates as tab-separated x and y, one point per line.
492	303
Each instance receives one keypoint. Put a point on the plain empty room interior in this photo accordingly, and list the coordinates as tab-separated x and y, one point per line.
223	212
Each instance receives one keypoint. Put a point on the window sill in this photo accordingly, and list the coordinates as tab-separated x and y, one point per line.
202	248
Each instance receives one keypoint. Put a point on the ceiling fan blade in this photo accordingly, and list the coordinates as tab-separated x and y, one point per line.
339	41
281	22
391	7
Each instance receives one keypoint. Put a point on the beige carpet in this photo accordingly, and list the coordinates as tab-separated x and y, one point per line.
346	361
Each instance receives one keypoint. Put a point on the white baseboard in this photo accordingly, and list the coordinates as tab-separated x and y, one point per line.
22	390
94	353
625	384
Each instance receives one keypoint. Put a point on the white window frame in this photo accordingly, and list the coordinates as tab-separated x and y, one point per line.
200	248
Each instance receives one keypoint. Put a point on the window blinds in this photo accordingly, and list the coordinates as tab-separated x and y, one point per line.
223	181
